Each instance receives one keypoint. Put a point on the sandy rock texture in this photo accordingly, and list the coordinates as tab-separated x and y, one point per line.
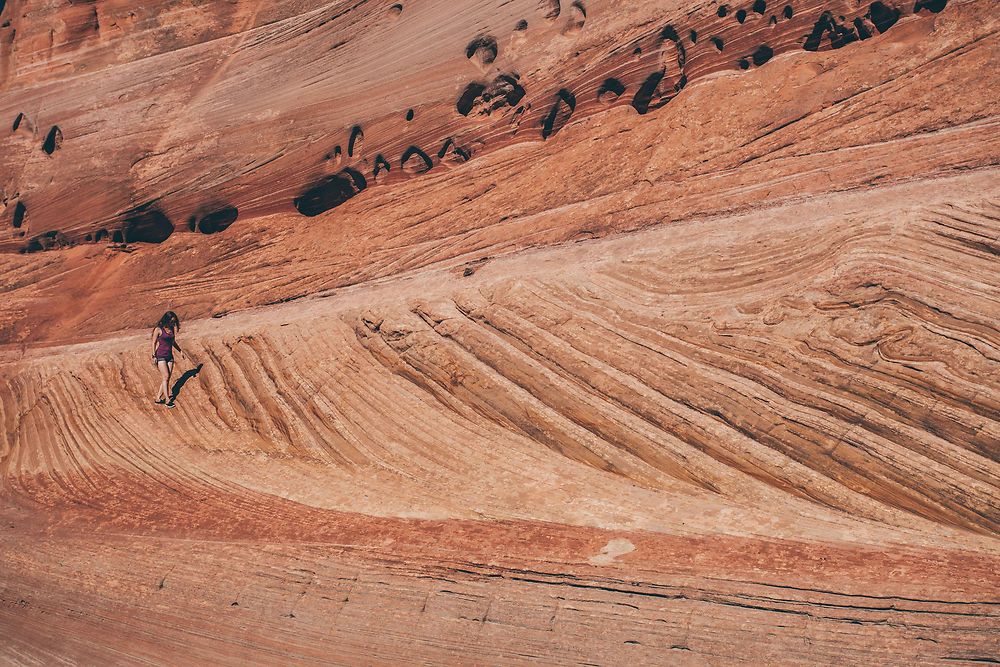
525	332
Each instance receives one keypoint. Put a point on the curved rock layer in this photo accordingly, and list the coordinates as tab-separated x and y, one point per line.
521	332
806	124
187	109
771	436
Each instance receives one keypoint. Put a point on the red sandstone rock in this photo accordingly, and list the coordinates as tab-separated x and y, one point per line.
527	332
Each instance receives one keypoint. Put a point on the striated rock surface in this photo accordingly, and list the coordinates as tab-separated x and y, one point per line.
520	332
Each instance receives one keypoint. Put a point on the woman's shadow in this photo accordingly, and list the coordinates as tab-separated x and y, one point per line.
182	380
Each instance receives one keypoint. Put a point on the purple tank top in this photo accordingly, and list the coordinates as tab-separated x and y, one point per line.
165	343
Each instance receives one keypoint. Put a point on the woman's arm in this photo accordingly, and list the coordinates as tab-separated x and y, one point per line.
156	336
178	346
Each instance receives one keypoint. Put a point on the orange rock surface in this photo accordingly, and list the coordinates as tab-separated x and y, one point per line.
518	332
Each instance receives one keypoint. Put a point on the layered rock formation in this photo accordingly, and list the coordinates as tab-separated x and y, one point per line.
518	332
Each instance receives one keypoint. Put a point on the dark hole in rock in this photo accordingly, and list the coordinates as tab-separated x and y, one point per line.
483	49
820	28
517	117
219	220
577	18
637	51
762	54
53	140
17	122
452	152
934	6
88	238
468	98
759	6
509	88
330	192
681	54
100	235
549	9
610	90
192	223
334	154
118	237
861	26
46	241
395	10
448	143
644	96
787	12
669	33
883	17
723	10
839	34
773	21
409	115
415	161
19	212
744	64
502	94
381	167
357	141
559	115
694	36
147	224
33	245
521	25
718	43
741	15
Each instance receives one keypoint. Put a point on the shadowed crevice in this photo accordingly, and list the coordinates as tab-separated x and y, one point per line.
357	141
19	212
330	192
559	114
644	96
482	50
610	90
146	224
53	140
219	220
415	161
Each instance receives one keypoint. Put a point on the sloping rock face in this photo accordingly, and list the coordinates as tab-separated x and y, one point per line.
518	332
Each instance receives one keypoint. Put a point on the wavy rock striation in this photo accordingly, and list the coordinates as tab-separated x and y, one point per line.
785	421
522	332
209	123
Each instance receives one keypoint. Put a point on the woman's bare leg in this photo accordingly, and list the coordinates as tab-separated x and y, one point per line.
166	383
164	380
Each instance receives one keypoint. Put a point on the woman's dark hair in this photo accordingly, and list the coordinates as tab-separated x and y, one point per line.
169	319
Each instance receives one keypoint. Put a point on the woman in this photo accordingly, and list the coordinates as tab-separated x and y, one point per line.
164	343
